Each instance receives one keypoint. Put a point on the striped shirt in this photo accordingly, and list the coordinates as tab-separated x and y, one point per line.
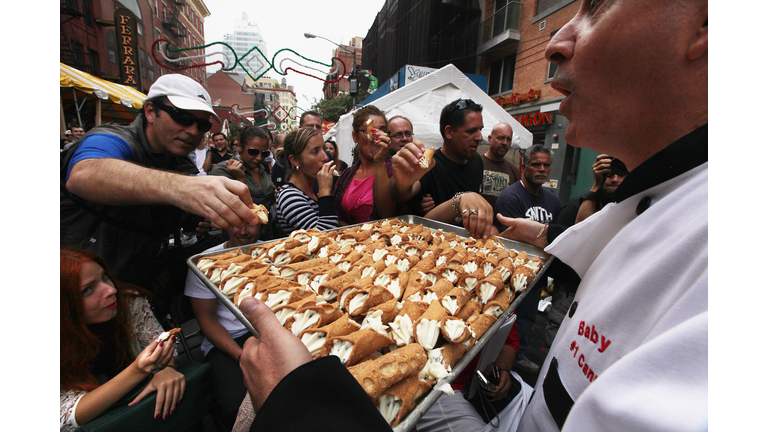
296	210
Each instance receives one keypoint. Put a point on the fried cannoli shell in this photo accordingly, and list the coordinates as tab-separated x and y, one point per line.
310	300
378	266
507	263
327	311
414	309
225	256
502	300
479	324
451	274
477	275
408	391
452	353
415	285
526	271
470	308
249	274
425	264
339	327
460	295
389	311
443	329
376	296
255	265
363	282
441	288
391	270
289	271
364	341
336	284
495	280
321	269
225	263
457	260
434	312
377	375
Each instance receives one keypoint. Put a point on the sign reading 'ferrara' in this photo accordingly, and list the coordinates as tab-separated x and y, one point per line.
127	53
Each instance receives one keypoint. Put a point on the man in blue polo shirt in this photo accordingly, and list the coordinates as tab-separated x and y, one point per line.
125	189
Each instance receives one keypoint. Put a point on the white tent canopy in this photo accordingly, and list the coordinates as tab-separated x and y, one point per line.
422	101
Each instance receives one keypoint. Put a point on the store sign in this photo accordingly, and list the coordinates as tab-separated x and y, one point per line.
518	98
534	118
127	51
413	73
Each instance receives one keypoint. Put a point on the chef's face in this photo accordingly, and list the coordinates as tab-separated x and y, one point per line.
537	170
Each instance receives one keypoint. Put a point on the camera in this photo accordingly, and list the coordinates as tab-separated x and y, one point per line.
488	385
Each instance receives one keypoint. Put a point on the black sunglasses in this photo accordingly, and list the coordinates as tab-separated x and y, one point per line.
255	152
185	118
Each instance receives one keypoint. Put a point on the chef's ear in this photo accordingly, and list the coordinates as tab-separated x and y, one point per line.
699	46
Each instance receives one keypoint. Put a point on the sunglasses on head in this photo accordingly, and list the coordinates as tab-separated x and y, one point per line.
255	152
185	118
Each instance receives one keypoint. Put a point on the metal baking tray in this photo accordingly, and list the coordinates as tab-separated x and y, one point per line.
409	422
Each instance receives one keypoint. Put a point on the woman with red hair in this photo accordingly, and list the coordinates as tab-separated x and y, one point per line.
108	344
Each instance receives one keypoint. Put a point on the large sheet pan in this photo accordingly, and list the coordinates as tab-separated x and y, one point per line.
409	422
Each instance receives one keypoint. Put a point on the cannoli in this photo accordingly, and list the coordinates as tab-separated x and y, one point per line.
426	264
470	281
488	287
451	274
389	310
521	277
369	129
426	329
312	317
314	338
454	300
330	290
359	301
377	375
454	330
398	400
479	324
166	335
498	304
305	275
285	311
470	308
437	291
357	345
261	213
288	271
426	157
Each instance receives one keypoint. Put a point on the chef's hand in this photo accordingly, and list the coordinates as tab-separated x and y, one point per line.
523	230
266	360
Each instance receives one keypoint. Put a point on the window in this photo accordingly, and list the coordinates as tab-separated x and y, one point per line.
502	75
506	16
551	67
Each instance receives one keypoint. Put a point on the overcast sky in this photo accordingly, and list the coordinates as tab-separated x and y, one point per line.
283	24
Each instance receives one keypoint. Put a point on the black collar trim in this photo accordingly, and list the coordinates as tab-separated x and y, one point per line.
677	158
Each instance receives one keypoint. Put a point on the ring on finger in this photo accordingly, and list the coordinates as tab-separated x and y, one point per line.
464	211
473	212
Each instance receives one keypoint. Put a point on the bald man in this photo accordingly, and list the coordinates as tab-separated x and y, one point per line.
498	172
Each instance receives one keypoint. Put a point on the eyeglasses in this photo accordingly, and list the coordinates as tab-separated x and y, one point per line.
400	135
255	152
185	118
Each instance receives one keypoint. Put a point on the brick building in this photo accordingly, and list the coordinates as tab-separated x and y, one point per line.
351	54
91	40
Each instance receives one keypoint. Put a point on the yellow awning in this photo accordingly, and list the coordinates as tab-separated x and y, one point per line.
117	93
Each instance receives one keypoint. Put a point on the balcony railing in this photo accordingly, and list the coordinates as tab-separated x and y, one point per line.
506	18
172	23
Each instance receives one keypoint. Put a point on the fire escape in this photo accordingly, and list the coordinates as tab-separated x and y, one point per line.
173	24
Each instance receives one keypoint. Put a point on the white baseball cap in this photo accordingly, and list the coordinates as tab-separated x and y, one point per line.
183	92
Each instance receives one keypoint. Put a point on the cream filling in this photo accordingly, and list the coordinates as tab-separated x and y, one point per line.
283	315
274	271
394	288
494	311
382	280
441	260
304	320
471	283
346	242
487	268
246	292
335	258
450	275
360	247
427	332
256	252
451	304
445	388
533	265
518	262
470	267
395	240
429	296
342	349
282	259
455	329
411	251
344	266
423	162
472	249
314	242
317	281
378	254
389	260
230	288
287	273
431	277
403	265
357	302
314	341
453	243
375	236
427	253
205	264
300	235
373	322
417	238
470	339
520	282
324	253
277	299
303	278
389	406
366	227
434	369
368	272
487	290
275	249
415	296
329	295
505	273
344	294
402	330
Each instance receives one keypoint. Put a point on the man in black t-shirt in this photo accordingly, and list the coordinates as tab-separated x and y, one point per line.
454	179
219	153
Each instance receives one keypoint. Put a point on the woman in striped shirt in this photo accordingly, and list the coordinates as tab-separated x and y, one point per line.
297	205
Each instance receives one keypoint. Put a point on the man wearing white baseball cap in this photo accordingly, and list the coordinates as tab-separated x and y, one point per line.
125	189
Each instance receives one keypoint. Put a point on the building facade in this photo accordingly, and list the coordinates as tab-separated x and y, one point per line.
351	55
245	36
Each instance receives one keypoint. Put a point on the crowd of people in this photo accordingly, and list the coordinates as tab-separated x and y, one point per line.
630	299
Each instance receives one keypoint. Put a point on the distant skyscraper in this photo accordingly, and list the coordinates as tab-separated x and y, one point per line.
247	34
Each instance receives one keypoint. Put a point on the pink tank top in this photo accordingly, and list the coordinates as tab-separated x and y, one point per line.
358	200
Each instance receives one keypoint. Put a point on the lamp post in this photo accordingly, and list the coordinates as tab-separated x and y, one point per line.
352	75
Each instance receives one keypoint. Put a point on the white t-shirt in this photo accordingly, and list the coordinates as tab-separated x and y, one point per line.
196	288
200	160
